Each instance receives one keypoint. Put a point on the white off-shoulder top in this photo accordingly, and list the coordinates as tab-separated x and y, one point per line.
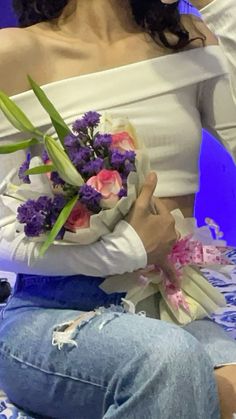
169	100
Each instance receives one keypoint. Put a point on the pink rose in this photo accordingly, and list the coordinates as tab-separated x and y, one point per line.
109	184
79	218
122	141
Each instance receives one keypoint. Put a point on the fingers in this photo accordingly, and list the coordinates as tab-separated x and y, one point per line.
161	208
169	271
145	197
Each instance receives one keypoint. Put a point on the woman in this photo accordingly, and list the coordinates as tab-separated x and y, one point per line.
116	365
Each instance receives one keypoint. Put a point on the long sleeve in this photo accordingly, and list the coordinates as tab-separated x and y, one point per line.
220	16
117	253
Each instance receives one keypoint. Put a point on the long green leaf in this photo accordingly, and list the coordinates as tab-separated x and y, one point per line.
64	214
62	163
44	168
15	115
11	148
59	124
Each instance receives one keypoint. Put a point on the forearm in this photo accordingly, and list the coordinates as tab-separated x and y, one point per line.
119	252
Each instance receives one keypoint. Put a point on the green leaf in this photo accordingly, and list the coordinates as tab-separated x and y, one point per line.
62	163
59	124
11	148
15	115
64	214
44	168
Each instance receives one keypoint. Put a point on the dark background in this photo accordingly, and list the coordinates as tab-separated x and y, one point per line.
7	17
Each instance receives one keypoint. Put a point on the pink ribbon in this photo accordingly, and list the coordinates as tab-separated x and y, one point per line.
185	252
175	295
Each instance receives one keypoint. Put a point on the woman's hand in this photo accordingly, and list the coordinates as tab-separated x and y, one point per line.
155	226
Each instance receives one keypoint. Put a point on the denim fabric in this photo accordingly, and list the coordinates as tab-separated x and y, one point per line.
114	365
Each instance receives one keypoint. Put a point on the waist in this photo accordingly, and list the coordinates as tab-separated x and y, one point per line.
77	292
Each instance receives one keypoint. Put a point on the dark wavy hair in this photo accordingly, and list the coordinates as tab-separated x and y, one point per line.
154	17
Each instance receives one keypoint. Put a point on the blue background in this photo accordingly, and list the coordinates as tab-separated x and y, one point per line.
217	196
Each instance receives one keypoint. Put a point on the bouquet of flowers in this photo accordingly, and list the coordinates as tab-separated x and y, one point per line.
81	185
84	182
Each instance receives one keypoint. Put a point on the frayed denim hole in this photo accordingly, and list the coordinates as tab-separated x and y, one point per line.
65	333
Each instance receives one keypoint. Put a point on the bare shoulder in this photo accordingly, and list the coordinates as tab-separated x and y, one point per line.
198	29
17	51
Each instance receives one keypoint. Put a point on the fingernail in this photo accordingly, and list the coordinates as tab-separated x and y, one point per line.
151	177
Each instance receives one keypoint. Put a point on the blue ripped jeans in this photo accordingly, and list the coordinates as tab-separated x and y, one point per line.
108	364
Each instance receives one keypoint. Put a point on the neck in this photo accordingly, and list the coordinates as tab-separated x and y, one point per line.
97	20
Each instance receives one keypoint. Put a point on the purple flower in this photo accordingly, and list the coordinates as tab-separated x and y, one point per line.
71	140
79	125
56	180
29	214
33	229
45	156
123	162
43	204
130	155
129	167
89	120
59	202
26	211
25	166
93	167
81	156
90	197
102	140
36	226
92	119
117	159
40	215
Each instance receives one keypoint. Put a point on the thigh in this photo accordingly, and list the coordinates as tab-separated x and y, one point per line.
57	380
